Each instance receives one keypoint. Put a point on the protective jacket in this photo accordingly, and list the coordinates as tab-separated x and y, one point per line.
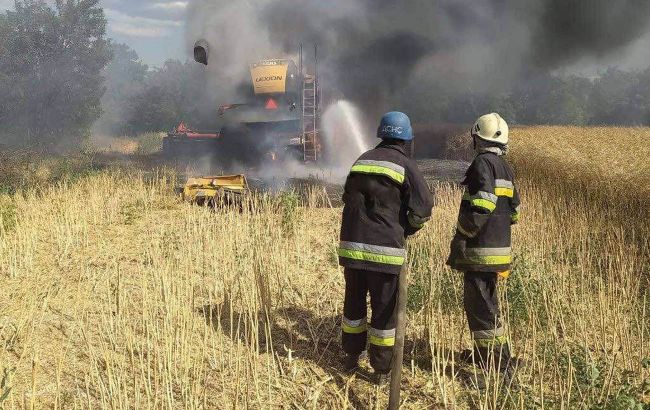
489	207
386	199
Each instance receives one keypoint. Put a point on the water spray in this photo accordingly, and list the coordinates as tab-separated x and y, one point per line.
343	131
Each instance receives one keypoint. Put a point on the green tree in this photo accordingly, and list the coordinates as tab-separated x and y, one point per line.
172	93
51	60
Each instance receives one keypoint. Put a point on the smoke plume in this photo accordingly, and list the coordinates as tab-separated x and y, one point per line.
384	54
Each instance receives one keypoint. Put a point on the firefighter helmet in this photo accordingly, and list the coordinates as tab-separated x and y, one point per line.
395	125
491	128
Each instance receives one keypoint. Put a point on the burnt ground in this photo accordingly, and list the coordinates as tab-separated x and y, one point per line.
443	170
434	170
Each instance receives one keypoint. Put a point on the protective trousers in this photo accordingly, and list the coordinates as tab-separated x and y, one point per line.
491	346
380	335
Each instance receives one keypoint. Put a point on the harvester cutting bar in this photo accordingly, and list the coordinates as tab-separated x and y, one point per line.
215	190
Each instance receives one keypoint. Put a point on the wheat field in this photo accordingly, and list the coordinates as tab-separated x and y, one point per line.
115	294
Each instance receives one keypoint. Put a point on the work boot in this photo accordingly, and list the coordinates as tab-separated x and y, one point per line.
351	361
381	378
466	356
475	379
509	379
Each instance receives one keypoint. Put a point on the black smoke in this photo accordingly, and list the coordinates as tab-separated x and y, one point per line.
385	54
566	30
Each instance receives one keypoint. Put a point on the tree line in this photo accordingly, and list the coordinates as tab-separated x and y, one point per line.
51	62
61	79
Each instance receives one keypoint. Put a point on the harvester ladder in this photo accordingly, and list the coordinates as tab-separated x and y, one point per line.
310	143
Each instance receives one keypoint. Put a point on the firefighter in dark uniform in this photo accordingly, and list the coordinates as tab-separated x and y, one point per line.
481	247
386	199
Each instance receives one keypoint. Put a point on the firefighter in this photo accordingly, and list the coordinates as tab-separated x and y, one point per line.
386	199
481	245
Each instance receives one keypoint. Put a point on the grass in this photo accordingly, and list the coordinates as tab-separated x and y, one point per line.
115	294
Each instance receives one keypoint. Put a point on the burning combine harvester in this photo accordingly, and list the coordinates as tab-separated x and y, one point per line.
279	121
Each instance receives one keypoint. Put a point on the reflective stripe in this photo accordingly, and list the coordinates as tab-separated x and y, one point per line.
386	164
383	250
354	326
504	188
489	334
503	183
485	260
463	231
386	168
488	251
493	341
416	221
372	253
486	256
354	323
371	257
379	337
482	195
507	192
483	203
514	217
482	199
466	226
381	332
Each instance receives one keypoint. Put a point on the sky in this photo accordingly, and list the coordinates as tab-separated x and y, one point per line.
155	29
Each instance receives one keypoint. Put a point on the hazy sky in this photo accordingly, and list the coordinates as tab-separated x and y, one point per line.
154	28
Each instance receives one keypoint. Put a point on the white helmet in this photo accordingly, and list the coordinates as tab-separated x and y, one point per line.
491	128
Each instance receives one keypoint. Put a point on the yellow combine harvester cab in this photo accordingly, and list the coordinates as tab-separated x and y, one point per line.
215	190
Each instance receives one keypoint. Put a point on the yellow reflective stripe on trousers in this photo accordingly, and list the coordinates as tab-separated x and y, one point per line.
378	170
514	217
354	330
494	341
379	337
354	326
382	341
485	260
488	333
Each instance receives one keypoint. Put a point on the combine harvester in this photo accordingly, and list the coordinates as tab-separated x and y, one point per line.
279	121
